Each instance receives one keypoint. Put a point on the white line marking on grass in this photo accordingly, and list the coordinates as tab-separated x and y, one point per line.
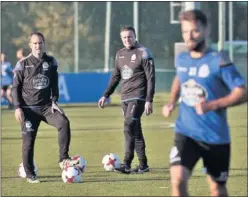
167	125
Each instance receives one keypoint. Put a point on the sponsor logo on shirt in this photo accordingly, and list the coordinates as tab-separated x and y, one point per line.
40	82
150	62
126	72
45	66
133	58
192	92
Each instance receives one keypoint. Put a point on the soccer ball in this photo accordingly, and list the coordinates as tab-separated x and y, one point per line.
81	162
111	161
71	175
21	172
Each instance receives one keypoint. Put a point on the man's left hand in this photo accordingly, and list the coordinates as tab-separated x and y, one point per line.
148	108
56	107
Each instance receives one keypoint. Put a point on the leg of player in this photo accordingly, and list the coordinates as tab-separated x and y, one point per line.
9	97
216	161
140	147
129	141
216	189
129	146
3	93
183	156
137	109
179	176
62	123
29	130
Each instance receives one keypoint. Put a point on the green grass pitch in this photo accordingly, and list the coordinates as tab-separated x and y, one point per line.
96	132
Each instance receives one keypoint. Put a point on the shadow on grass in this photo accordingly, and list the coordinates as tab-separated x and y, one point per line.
97	178
19	138
90	105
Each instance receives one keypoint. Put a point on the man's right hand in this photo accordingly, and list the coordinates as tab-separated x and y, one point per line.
168	109
101	102
19	115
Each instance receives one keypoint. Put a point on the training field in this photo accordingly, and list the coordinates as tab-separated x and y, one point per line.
96	132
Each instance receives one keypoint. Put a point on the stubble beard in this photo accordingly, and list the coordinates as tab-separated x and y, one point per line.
199	47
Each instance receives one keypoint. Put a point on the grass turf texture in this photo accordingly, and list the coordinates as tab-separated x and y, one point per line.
96	132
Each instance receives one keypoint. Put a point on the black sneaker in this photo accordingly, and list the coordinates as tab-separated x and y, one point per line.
125	169
140	170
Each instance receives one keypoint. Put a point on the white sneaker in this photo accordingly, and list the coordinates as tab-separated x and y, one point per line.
67	163
33	179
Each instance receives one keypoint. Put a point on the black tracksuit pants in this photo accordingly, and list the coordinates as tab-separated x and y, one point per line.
32	118
134	139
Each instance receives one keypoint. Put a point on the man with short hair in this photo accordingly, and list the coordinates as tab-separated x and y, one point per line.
21	53
207	82
134	68
35	95
6	80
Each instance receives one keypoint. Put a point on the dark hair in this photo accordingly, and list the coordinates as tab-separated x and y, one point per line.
194	15
37	34
24	51
128	28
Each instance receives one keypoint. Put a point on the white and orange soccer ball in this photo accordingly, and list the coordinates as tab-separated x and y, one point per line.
80	162
21	172
111	161
71	175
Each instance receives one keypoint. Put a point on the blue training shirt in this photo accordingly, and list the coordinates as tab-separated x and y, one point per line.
211	76
6	74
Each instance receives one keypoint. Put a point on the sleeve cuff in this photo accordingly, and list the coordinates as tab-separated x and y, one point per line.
149	100
17	106
54	99
106	95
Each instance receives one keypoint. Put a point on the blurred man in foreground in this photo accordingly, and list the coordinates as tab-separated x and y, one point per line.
207	82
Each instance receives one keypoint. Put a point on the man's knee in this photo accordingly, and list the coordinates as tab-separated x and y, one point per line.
129	124
179	176
8	92
63	122
217	189
28	143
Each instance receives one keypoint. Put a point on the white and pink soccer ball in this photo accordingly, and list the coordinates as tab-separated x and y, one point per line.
110	162
71	174
80	162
